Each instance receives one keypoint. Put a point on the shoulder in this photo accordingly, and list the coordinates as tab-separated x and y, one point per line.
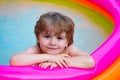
74	51
72	47
32	50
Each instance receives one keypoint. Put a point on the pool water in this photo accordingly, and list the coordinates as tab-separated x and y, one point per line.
17	21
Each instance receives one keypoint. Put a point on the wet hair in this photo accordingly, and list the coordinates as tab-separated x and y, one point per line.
57	23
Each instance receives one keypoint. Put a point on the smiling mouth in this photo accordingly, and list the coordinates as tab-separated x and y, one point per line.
52	48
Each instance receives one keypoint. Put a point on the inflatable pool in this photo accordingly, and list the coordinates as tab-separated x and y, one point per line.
107	56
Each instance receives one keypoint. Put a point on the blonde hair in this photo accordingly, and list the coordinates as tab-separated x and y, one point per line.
55	22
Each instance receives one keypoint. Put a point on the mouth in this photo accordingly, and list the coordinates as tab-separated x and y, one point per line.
52	48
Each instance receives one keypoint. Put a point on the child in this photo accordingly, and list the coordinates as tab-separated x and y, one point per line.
54	36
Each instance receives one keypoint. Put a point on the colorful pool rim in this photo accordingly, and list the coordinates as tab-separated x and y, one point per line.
107	56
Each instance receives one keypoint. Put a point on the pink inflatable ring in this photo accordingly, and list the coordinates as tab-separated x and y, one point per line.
104	56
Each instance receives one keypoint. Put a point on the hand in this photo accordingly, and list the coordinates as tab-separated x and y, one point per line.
59	59
46	64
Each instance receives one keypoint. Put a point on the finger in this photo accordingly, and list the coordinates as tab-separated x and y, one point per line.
59	64
43	65
52	66
64	63
55	65
46	65
39	65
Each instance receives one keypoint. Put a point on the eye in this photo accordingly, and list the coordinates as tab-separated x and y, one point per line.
47	36
59	38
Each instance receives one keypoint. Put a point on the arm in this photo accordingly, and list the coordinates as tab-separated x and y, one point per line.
79	59
32	56
29	57
55	60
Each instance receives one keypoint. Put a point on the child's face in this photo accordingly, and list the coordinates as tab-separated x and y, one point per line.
52	44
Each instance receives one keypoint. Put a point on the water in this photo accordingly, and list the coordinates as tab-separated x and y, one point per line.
17	21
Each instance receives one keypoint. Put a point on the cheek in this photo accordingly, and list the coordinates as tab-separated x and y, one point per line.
43	42
64	44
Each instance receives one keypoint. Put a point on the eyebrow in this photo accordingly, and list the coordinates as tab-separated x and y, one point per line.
61	35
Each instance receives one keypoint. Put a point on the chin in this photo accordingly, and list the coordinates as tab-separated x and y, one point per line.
53	53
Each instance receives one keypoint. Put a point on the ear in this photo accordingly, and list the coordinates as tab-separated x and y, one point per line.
37	40
66	44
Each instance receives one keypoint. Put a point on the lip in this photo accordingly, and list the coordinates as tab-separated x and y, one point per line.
51	48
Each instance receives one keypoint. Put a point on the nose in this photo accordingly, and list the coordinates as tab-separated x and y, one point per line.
53	42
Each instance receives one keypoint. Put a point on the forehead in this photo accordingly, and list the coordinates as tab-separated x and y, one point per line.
63	34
